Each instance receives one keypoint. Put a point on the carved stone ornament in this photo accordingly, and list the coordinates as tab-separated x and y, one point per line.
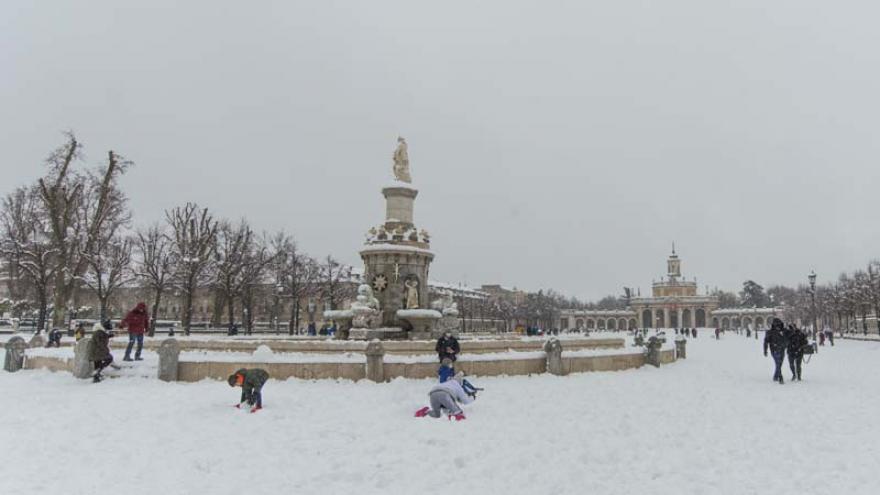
380	283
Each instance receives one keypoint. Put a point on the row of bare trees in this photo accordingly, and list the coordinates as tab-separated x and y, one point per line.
69	234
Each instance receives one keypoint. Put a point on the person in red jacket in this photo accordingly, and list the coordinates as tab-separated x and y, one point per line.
136	322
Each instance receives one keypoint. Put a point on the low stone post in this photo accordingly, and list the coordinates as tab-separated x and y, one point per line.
553	348
652	351
82	361
169	356
681	348
15	348
375	361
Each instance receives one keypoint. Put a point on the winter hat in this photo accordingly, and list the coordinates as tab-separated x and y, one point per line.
446	362
777	323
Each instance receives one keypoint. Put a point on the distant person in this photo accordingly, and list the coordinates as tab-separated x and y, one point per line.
251	383
694	332
54	338
829	334
136	322
447	397
774	340
797	340
447	347
80	331
100	348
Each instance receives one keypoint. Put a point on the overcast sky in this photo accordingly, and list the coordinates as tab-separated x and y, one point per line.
554	144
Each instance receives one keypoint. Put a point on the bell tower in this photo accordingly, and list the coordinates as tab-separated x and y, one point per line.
673	266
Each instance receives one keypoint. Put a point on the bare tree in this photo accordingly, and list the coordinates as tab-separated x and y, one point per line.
296	276
233	245
83	209
108	269
334	282
18	213
26	245
153	266
258	259
193	235
241	261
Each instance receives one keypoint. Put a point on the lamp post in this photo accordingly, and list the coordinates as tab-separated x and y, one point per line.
812	278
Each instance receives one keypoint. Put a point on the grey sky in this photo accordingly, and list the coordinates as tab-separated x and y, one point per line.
555	144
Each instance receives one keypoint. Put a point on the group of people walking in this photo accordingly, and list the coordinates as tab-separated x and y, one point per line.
792	341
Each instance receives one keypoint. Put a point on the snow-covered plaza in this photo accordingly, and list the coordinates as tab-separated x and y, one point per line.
713	423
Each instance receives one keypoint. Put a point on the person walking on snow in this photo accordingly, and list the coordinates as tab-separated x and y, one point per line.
100	348
251	383
797	340
136	322
447	396
774	340
829	334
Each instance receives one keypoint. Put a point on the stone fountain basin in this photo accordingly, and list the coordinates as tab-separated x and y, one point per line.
423	321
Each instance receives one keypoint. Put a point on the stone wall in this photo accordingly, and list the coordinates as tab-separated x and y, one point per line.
408	347
193	372
190	371
48	363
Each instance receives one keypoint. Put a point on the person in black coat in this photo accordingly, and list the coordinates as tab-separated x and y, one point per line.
447	347
797	339
775	341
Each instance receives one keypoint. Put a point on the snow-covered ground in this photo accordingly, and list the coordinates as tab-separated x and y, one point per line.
712	424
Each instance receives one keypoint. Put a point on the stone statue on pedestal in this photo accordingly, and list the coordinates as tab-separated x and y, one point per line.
412	294
401	162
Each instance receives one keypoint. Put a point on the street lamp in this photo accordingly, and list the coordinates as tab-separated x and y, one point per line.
812	278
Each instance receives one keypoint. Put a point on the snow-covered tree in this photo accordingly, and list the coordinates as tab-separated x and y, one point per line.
752	295
83	209
28	250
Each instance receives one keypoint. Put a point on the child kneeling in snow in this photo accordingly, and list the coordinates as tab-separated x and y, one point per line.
447	371
447	396
100	350
251	383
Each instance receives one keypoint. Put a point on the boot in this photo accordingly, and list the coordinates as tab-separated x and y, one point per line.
97	378
421	413
138	358
127	358
458	417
